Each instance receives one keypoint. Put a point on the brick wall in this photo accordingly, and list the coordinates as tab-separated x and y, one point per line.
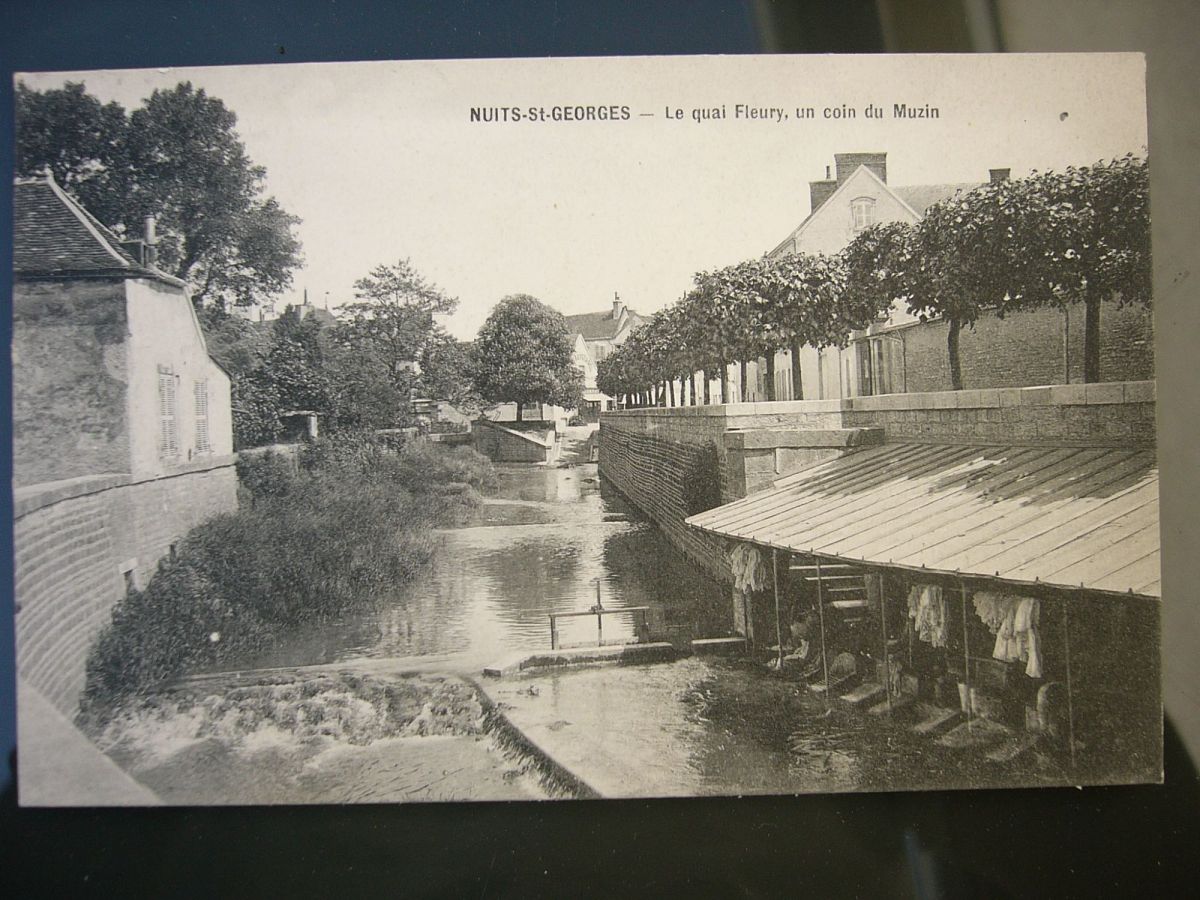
650	458
1026	349
69	380
72	542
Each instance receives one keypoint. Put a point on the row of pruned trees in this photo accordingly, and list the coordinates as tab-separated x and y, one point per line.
1050	240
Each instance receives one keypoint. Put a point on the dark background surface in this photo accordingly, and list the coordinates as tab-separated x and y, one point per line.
1104	841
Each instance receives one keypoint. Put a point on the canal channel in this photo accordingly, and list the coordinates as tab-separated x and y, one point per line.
312	718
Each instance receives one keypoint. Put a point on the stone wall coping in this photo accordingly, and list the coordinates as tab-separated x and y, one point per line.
1100	393
771	439
31	498
523	435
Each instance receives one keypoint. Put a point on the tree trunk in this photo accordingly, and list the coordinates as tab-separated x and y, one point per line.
797	379
707	387
724	382
955	326
520	412
671	392
695	393
745	388
1091	339
771	375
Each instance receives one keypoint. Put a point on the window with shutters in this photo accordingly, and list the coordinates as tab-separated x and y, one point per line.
200	403
862	211
168	428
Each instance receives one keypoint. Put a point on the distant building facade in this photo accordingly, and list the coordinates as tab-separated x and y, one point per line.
596	335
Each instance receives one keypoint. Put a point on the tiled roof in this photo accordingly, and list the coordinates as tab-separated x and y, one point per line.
597	326
54	235
922	196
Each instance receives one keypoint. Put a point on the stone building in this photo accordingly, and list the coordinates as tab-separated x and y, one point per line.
122	429
595	336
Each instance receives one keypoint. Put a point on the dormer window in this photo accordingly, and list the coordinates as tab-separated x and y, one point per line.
862	213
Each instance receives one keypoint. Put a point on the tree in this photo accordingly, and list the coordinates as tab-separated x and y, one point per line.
79	140
388	346
938	267
178	158
394	311
291	376
1082	235
446	371
523	355
236	343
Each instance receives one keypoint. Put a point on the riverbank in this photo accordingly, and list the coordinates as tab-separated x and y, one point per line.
314	539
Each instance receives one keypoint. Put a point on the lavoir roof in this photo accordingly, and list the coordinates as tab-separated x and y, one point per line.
1070	517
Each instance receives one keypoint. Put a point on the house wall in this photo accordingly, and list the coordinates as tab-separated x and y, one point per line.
164	332
69	380
832	227
74	540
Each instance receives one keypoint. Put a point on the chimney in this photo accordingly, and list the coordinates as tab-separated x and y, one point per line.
848	163
618	306
149	241
820	191
998	175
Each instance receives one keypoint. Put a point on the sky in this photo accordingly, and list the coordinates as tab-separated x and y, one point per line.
381	160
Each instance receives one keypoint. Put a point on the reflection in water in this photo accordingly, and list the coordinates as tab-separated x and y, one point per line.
541	543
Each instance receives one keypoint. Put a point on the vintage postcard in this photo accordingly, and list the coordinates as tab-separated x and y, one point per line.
577	428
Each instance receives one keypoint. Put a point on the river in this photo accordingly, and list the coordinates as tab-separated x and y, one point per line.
378	707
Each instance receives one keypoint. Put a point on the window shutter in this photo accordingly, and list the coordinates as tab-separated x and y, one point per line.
168	433
200	398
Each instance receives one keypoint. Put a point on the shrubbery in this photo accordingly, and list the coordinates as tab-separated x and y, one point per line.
354	518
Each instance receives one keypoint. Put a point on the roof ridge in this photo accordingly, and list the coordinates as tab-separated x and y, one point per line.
88	221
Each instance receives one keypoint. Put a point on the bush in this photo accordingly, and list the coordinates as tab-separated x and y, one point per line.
354	523
268	474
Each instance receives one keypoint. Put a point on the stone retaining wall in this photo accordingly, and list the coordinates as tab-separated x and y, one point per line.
652	455
78	543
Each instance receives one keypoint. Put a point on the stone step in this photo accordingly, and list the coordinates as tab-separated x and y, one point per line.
864	694
714	646
936	719
974	734
836	685
899	702
1016	746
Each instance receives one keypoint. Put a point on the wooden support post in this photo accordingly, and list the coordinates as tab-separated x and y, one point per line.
1070	698
887	663
553	632
599	617
962	590
778	623
821	616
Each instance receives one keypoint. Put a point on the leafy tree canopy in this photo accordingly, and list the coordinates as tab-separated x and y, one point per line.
394	311
523	355
179	158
